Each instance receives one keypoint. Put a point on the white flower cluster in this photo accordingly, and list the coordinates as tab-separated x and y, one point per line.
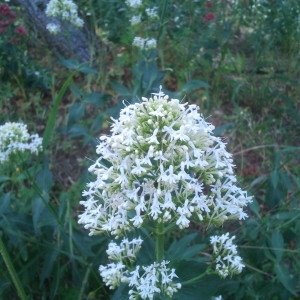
135	20
152	12
144	44
134	3
225	255
67	10
144	281
14	137
162	163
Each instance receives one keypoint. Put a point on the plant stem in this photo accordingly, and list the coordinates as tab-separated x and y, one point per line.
50	126
194	279
12	271
160	242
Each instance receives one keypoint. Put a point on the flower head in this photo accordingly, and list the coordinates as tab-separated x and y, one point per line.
225	255
209	17
20	30
53	28
134	3
67	10
14	137
144	44
161	163
147	281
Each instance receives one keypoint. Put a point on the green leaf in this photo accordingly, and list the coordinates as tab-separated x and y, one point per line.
76	112
274	178
285	278
5	203
97	99
44	177
254	207
120	89
77	130
180	249
277	244
259	180
194	85
76	90
49	261
50	126
221	129
4	178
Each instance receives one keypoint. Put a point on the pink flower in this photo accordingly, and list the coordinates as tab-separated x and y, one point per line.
20	30
4	8
4	23
209	17
5	11
2	30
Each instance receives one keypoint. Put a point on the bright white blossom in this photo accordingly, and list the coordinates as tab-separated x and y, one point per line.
134	3
67	10
152	12
161	163
144	281
112	274
127	250
147	281
144	44
225	255
217	298
14	138
53	28
135	20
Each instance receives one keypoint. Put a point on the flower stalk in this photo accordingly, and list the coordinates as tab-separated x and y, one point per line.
12	271
160	239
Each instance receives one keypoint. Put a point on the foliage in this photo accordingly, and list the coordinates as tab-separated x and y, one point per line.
237	60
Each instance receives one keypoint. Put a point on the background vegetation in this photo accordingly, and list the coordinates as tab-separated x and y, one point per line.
238	60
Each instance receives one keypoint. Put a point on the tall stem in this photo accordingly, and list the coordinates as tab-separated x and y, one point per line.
12	271
160	246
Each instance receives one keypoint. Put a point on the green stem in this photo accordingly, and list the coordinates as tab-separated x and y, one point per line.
50	126
195	278
12	271
160	246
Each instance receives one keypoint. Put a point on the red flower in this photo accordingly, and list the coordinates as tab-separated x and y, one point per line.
4	8
20	30
208	4
209	17
5	11
4	23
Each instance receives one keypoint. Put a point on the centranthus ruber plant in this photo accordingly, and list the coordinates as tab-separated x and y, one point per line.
160	170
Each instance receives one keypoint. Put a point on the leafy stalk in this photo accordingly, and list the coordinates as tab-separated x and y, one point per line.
12	271
52	117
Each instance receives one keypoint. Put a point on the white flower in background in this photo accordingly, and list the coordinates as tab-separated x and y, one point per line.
53	28
134	3
135	20
152	12
161	163
217	298
67	10
144	44
225	255
14	137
